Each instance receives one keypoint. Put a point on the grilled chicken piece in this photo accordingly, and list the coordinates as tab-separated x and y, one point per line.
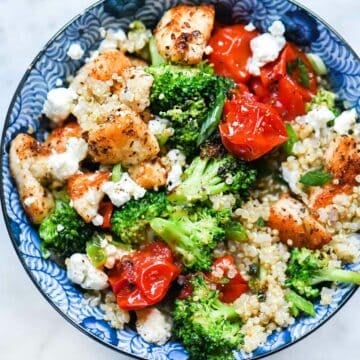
149	174
86	194
36	200
35	165
183	32
58	138
122	138
297	228
108	63
343	159
321	197
60	155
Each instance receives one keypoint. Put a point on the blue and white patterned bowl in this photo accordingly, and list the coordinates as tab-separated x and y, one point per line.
52	63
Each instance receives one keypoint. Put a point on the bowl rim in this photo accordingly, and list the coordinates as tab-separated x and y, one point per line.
7	219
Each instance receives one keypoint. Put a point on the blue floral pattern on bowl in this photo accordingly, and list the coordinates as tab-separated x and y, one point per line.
52	63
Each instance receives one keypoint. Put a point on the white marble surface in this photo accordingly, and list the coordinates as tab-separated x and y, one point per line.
29	327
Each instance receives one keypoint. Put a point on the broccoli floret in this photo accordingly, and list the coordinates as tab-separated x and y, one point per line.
192	98
327	98
193	235
212	176
64	232
306	269
234	231
208	328
131	222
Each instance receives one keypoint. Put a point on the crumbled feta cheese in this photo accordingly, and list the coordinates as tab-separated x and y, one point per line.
63	165
112	39
177	162
80	271
229	179
208	50
117	39
117	35
29	200
317	118
98	220
113	254
160	128
31	130
250	27
59	104
326	296
75	51
102	32
58	82
123	190
277	28
153	326
345	122
158	125
107	44
292	177
266	47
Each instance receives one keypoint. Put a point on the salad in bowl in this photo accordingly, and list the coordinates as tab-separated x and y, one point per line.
199	181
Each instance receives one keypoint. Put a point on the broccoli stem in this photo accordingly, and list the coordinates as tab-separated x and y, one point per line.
213	118
174	235
299	303
336	275
156	58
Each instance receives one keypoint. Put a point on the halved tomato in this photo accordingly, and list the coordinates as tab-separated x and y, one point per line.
250	128
231	52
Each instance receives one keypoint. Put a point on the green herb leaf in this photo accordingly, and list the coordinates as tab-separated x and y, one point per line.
260	222
95	252
315	178
299	66
213	119
292	139
304	78
116	173
254	270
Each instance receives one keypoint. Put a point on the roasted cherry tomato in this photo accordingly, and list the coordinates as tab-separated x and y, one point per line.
143	278
293	63
288	83
231	51
250	128
228	279
106	209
